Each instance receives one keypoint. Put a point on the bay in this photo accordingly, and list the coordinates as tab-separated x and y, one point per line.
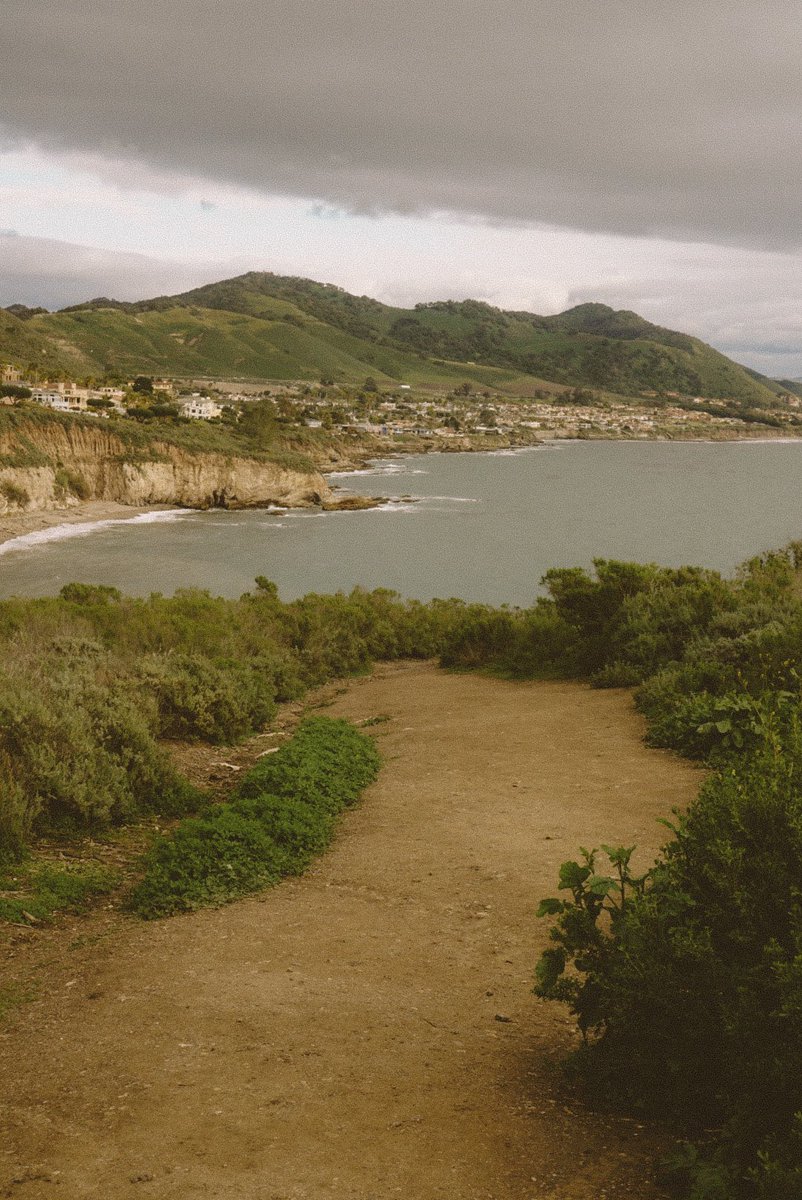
482	527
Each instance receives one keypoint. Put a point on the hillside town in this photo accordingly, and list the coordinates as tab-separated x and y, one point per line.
456	418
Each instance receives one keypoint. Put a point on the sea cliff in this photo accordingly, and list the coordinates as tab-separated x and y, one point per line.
60	466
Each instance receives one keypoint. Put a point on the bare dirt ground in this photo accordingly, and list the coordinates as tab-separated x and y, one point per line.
367	1031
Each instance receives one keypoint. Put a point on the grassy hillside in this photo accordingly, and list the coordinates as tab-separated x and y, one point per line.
265	326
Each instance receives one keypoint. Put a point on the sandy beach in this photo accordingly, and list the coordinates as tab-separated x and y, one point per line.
17	524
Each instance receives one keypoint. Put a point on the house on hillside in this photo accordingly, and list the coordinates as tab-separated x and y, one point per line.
51	398
200	408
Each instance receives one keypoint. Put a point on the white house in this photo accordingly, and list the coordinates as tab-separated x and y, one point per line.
200	408
51	398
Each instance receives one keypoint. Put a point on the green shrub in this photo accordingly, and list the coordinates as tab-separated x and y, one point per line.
327	764
18	811
687	981
712	728
617	675
299	831
208	859
676	681
217	701
280	818
89	593
70	483
81	755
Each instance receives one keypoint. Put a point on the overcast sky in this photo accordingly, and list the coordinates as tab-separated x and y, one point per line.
527	152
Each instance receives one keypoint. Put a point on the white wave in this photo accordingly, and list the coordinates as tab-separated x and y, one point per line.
351	474
455	499
59	533
762	441
381	468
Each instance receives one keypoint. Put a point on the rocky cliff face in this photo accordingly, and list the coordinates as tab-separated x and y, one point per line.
93	464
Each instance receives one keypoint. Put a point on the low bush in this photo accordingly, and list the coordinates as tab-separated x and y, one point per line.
13	494
280	818
208	859
79	754
327	764
70	483
714	728
212	700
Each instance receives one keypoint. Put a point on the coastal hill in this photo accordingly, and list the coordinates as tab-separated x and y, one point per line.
265	326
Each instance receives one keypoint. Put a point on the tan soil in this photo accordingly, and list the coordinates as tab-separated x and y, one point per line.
340	1036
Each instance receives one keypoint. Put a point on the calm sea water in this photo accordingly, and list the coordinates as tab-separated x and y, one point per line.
484	526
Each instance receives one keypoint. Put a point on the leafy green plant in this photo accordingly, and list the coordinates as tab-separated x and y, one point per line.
282	815
716	727
327	764
687	981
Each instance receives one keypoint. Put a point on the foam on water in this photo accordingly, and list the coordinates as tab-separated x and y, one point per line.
455	499
60	533
381	467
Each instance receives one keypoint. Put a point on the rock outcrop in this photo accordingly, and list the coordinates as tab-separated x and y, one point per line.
74	463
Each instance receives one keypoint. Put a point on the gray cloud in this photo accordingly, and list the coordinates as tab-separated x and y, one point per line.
682	120
53	274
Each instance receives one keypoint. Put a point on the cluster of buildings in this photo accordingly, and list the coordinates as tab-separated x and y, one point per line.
66	396
396	414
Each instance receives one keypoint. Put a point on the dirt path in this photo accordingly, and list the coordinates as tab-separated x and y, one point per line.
340	1037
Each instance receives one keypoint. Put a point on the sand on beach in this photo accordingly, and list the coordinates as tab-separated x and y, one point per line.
17	524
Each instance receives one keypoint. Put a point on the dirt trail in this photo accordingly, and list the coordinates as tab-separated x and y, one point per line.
340	1036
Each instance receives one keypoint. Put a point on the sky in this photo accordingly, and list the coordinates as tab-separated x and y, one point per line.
529	153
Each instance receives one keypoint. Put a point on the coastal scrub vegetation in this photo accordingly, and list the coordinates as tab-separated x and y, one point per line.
91	681
686	980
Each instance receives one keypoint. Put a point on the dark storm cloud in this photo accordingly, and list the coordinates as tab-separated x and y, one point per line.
681	119
42	271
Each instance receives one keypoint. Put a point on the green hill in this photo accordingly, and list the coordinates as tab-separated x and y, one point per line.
265	326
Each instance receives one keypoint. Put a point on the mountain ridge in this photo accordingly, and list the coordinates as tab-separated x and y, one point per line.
266	326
